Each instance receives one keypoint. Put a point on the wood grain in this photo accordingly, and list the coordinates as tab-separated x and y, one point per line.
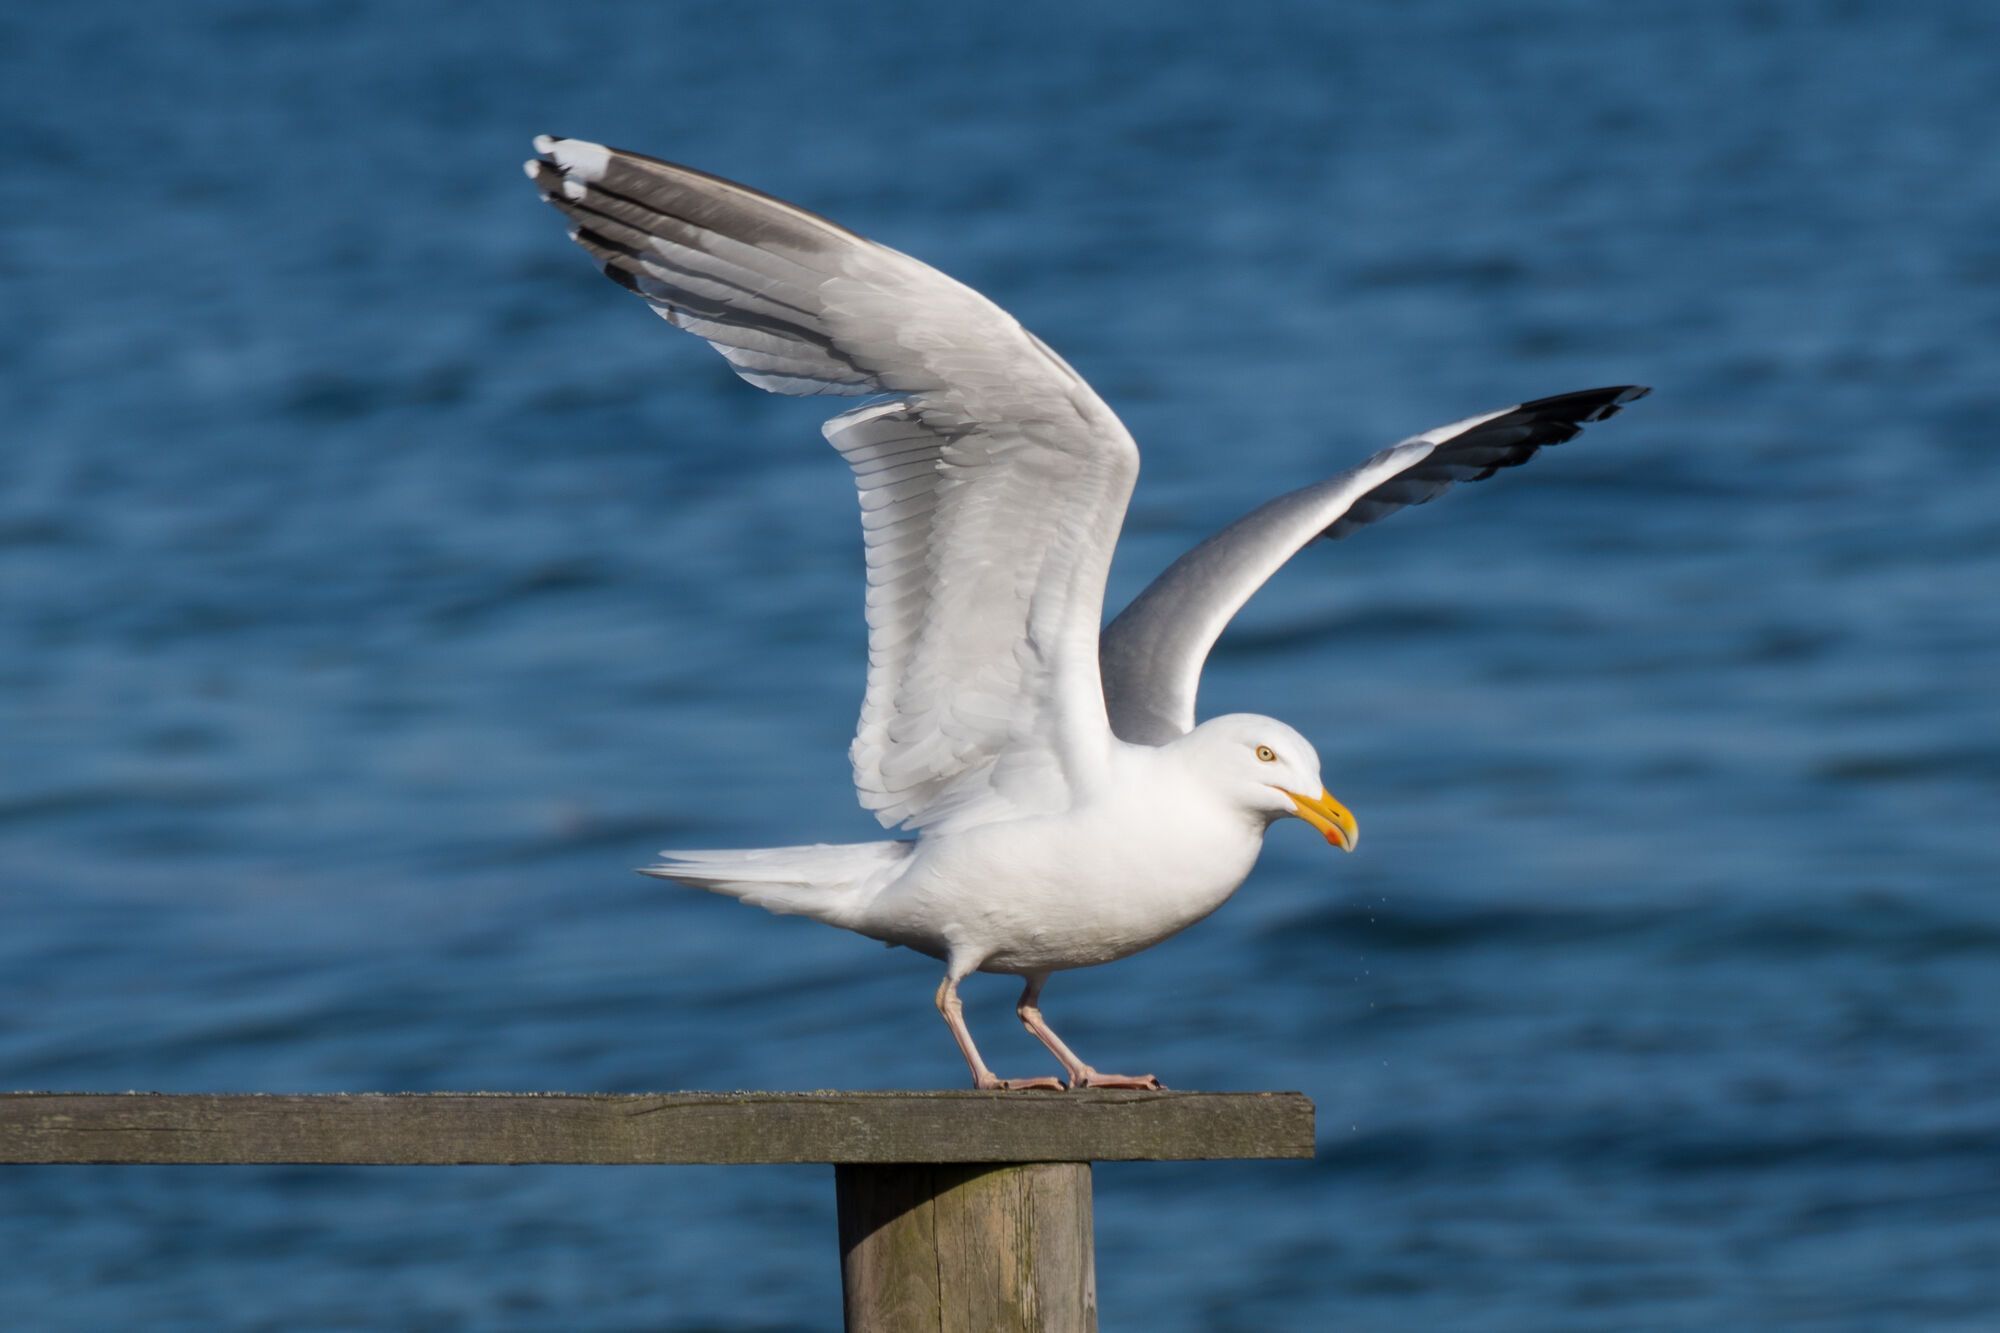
437	1129
968	1248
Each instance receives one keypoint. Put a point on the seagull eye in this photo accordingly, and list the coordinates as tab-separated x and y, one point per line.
1267	754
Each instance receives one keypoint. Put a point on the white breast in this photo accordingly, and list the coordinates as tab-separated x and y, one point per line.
1149	858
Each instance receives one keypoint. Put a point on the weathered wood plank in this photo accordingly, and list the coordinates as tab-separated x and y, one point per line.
437	1129
967	1248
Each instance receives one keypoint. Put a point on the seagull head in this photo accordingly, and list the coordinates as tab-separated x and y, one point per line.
1273	770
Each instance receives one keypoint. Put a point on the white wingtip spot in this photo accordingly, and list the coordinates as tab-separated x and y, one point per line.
579	156
534	169
546	143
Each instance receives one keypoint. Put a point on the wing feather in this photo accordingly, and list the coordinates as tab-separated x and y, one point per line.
992	480
1154	651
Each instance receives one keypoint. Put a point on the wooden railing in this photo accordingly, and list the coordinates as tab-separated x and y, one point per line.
958	1210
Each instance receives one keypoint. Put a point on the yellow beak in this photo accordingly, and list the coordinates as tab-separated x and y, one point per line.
1327	815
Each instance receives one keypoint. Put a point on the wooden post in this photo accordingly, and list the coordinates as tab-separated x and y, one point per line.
967	1248
960	1212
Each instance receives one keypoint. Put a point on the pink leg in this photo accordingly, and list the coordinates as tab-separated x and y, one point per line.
1080	1074
954	1016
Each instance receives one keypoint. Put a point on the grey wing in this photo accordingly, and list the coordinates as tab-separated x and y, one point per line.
1152	654
992	483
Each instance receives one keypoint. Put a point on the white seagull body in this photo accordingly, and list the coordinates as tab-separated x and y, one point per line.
1068	810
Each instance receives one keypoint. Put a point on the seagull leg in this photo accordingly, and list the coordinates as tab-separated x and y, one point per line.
954	1016
1080	1074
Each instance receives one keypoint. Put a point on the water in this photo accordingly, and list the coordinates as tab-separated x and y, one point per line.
377	586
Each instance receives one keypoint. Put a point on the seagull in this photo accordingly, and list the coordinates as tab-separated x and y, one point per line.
1066	808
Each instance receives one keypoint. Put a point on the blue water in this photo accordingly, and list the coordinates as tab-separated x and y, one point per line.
378	585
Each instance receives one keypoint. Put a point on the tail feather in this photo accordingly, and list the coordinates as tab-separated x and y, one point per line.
830	883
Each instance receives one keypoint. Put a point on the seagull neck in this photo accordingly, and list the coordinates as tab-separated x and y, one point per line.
1180	775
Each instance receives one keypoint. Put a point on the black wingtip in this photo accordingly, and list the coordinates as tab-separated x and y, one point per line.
1545	421
1585	405
1507	439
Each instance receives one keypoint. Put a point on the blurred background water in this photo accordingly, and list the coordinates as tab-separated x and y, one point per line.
378	585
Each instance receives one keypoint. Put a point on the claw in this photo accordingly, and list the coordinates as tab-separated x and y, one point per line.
1090	1078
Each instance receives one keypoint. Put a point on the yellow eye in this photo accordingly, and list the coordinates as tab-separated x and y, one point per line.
1267	754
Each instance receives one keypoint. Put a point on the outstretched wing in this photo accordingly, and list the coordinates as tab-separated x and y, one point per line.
1153	652
993	481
